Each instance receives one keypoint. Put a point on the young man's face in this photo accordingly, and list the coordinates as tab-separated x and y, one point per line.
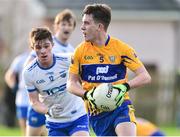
43	51
89	28
65	29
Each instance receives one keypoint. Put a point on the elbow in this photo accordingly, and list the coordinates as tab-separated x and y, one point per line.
9	79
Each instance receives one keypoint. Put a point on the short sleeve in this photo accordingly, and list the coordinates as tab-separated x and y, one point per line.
131	60
75	61
28	81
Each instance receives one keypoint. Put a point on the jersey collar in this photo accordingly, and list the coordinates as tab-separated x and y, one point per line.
54	62
106	43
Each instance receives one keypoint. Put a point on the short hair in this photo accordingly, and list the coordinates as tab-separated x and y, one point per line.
65	15
38	34
100	12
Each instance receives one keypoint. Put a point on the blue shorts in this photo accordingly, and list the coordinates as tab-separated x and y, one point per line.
158	133
68	128
21	112
105	123
35	119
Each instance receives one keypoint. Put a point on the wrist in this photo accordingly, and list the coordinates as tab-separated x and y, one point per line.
127	86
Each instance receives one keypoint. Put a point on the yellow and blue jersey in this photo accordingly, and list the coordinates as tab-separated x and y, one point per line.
104	64
146	128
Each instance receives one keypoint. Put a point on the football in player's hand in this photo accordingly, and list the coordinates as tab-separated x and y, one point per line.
104	96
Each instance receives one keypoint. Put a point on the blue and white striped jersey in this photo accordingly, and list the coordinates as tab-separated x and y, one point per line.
51	85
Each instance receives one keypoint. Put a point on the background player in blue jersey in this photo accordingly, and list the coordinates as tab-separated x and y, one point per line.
104	59
64	24
45	79
13	78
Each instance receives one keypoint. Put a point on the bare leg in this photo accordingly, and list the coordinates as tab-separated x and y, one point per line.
22	125
126	129
81	133
36	131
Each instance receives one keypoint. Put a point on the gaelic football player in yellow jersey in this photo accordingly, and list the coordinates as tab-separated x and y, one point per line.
147	128
104	59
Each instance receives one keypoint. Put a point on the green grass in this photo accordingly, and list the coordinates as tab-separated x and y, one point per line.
6	131
171	131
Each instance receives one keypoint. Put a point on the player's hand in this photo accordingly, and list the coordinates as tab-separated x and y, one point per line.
88	95
123	88
92	111
55	110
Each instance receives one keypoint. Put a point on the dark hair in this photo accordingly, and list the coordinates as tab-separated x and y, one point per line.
101	13
65	15
38	34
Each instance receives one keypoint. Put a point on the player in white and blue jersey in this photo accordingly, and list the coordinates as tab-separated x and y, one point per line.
13	78
64	25
45	78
